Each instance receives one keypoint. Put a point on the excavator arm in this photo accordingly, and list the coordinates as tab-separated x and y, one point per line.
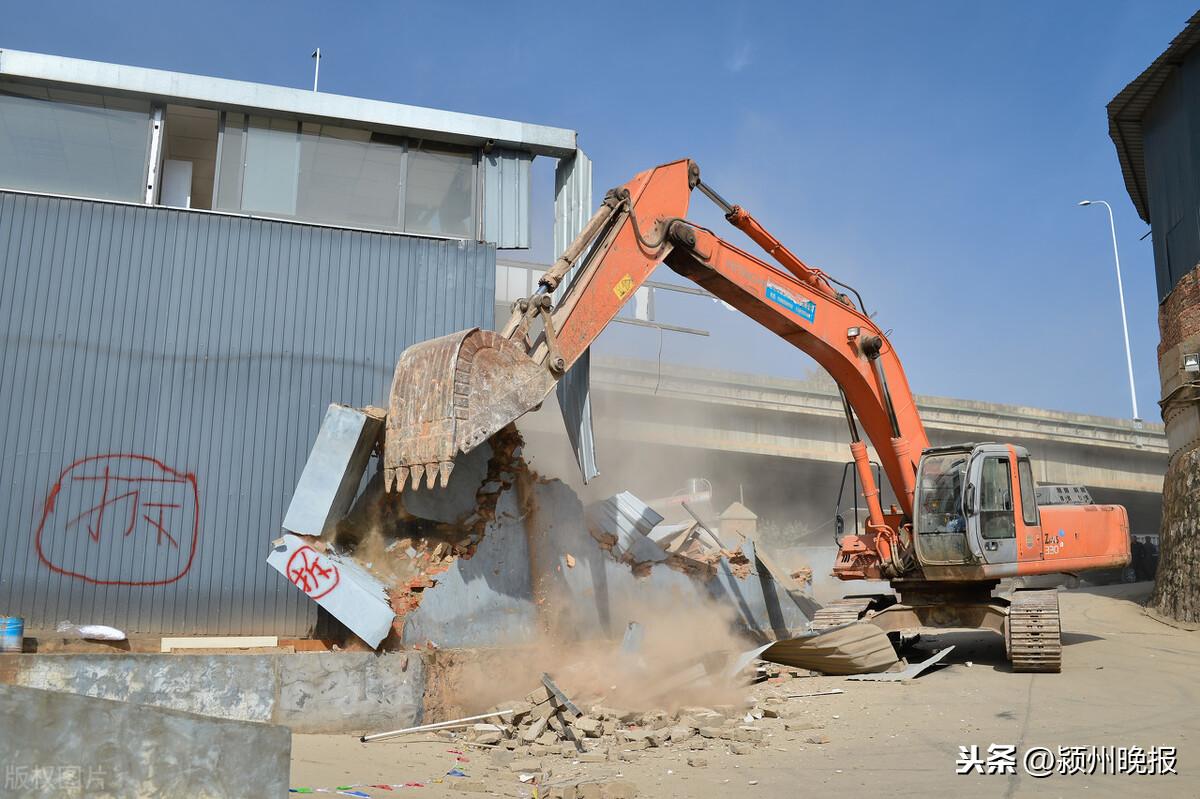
450	394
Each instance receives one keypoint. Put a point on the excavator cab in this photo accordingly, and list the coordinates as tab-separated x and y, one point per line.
975	512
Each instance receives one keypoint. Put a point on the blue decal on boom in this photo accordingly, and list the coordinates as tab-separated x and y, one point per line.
805	309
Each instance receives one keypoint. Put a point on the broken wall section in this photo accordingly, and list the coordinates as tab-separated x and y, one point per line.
503	557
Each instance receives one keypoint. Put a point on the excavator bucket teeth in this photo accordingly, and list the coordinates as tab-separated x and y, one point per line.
449	395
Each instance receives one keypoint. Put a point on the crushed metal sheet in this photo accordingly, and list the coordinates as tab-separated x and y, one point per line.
560	697
624	521
850	649
912	672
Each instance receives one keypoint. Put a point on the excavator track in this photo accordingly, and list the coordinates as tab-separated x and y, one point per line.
1034	633
840	611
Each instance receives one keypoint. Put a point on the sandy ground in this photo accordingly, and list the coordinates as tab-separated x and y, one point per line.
1127	681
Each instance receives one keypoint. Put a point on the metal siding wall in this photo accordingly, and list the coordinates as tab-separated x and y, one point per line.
1172	155
506	190
212	344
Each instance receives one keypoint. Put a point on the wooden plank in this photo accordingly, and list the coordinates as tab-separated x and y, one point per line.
220	642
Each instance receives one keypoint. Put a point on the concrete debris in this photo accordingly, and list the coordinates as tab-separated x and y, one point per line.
544	725
592	789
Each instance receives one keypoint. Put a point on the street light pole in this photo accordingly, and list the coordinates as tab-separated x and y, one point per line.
1120	293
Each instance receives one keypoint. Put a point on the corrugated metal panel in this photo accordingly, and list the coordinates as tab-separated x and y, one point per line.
1125	112
572	209
628	520
506	197
1171	133
164	374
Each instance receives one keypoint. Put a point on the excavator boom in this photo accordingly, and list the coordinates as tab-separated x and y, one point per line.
450	394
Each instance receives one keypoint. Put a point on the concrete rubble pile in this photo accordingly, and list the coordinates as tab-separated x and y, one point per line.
545	723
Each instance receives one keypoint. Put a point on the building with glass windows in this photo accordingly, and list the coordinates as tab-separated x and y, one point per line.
191	270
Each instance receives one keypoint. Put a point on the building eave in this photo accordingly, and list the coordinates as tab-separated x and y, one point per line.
178	87
1127	109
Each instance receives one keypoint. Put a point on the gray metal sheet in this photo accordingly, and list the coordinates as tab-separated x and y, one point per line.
506	188
193	355
572	209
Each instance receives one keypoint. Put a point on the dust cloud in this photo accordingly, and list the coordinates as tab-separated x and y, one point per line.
683	659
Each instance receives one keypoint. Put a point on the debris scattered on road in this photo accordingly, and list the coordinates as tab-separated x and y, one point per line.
93	632
441	725
856	648
912	672
830	692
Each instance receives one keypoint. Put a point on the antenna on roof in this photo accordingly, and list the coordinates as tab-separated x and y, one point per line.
317	69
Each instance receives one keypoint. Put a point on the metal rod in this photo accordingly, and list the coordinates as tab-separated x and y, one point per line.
711	194
379	736
560	267
661	326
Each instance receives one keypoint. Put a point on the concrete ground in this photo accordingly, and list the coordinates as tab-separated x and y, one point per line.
1127	681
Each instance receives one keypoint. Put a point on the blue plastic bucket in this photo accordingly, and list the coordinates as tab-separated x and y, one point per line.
12	633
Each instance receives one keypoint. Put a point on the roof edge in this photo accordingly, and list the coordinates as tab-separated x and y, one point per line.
239	95
1126	110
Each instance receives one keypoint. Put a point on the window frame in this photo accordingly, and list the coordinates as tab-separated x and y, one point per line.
986	514
1028	497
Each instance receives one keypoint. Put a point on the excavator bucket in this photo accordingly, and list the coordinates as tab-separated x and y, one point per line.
449	395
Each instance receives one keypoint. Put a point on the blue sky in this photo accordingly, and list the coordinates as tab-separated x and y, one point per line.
929	153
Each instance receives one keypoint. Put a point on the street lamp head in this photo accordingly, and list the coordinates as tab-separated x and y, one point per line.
1085	202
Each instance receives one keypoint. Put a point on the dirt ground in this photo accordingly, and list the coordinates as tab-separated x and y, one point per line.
1127	681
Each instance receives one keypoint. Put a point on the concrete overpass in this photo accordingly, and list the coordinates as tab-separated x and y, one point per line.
781	443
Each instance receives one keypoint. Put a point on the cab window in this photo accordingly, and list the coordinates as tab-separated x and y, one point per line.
1029	508
995	500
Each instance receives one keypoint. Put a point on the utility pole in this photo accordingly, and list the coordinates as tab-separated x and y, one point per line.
317	69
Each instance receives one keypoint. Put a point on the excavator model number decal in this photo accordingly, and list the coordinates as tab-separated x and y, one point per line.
623	287
805	309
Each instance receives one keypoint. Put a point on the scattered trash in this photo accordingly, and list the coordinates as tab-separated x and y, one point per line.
570	561
456	772
913	671
94	632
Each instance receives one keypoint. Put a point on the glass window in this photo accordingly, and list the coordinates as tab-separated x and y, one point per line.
440	196
272	167
1029	508
350	177
939	494
65	142
345	176
995	500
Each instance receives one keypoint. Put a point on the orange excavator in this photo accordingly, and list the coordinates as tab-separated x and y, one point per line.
965	516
